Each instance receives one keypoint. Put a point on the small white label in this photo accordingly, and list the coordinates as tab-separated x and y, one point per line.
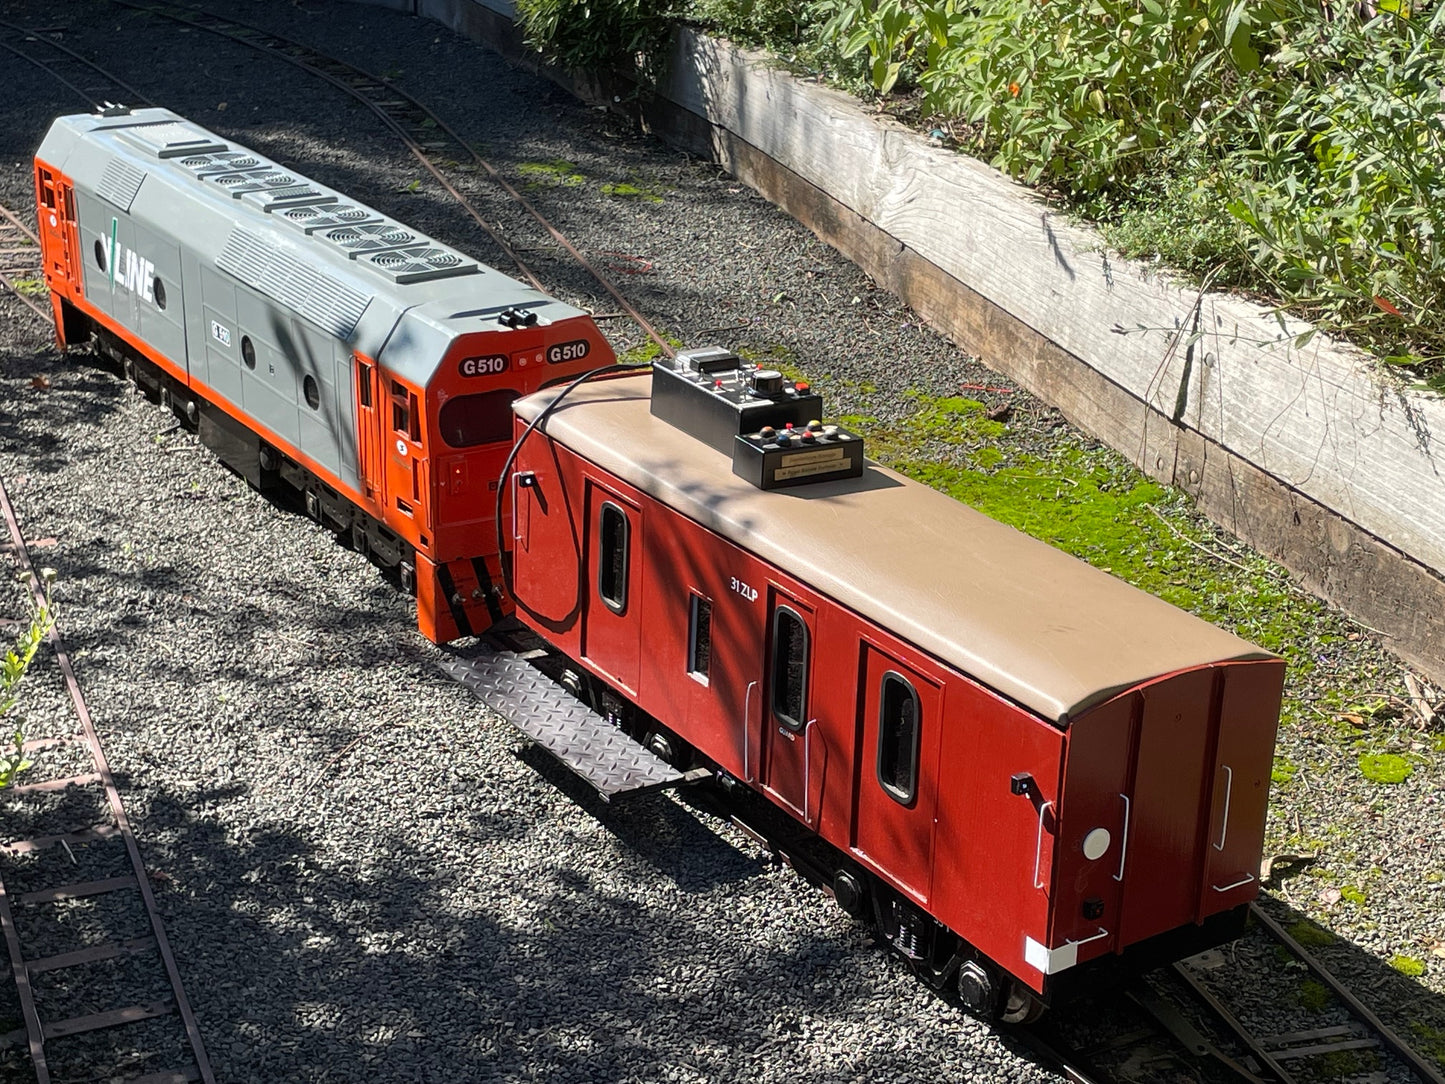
400	447
749	593
221	333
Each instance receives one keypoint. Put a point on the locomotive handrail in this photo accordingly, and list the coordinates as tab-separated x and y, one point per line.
747	734
1124	843
1039	843
1224	824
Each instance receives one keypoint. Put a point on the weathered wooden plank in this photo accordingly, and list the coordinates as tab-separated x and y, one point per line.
1315	417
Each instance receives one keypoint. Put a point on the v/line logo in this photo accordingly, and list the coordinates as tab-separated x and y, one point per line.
129	269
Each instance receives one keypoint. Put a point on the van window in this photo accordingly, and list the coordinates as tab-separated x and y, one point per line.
898	722
613	539
790	668
699	637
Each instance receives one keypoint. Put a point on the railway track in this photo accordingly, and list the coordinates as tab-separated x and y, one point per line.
21	271
85	940
40	47
1195	1025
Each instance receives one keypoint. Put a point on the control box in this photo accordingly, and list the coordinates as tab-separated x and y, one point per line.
714	395
767	423
792	456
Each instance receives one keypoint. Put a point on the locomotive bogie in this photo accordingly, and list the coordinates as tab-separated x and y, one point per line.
1077	806
313	340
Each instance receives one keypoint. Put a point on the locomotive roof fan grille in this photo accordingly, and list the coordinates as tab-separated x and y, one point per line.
419	263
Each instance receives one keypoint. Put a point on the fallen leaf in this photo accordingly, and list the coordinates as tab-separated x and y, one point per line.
1330	896
1381	303
41	381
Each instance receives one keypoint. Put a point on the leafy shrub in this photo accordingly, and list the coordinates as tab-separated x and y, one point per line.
605	36
13	664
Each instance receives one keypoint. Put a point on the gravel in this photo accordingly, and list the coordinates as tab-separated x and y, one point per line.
365	875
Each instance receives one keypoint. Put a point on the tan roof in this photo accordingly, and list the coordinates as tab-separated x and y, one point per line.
1041	627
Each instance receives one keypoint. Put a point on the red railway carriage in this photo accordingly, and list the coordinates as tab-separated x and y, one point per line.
1026	764
309	339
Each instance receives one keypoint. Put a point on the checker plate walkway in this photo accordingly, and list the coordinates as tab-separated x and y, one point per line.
584	741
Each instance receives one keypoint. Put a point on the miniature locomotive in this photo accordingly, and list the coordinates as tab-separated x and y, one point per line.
1021	763
312	341
1018	767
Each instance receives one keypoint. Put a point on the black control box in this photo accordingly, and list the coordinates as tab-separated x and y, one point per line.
715	396
792	456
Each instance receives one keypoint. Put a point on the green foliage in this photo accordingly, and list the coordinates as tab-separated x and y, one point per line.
1310	935
16	661
1313	995
31	287
1271	144
1385	767
605	36
1408	965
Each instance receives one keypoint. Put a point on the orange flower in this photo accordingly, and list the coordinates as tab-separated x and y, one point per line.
1013	88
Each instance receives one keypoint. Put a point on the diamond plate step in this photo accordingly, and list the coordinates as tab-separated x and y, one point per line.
610	761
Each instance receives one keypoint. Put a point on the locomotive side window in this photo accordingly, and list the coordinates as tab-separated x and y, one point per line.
613	536
898	713
484	418
790	668
699	637
248	352
404	413
100	253
311	391
158	290
363	381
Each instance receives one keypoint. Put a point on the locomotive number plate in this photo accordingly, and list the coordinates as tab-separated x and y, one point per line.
490	365
573	351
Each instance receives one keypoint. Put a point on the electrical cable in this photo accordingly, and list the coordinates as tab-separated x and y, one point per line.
542	415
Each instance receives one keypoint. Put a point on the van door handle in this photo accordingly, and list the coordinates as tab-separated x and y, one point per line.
1224	824
1124	843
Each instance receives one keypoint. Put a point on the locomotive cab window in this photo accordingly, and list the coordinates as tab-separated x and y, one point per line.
614	536
790	668
898	723
699	637
483	418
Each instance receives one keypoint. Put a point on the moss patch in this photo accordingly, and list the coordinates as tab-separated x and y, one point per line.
1283	772
631	191
558	171
1408	965
1310	935
1385	768
1313	995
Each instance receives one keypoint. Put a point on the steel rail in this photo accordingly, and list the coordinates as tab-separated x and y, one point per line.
392	111
27	35
1397	1045
8	221
182	1004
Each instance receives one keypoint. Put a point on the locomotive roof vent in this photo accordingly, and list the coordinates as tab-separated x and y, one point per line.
310	217
361	238
220	162
171	139
419	263
241	181
272	199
